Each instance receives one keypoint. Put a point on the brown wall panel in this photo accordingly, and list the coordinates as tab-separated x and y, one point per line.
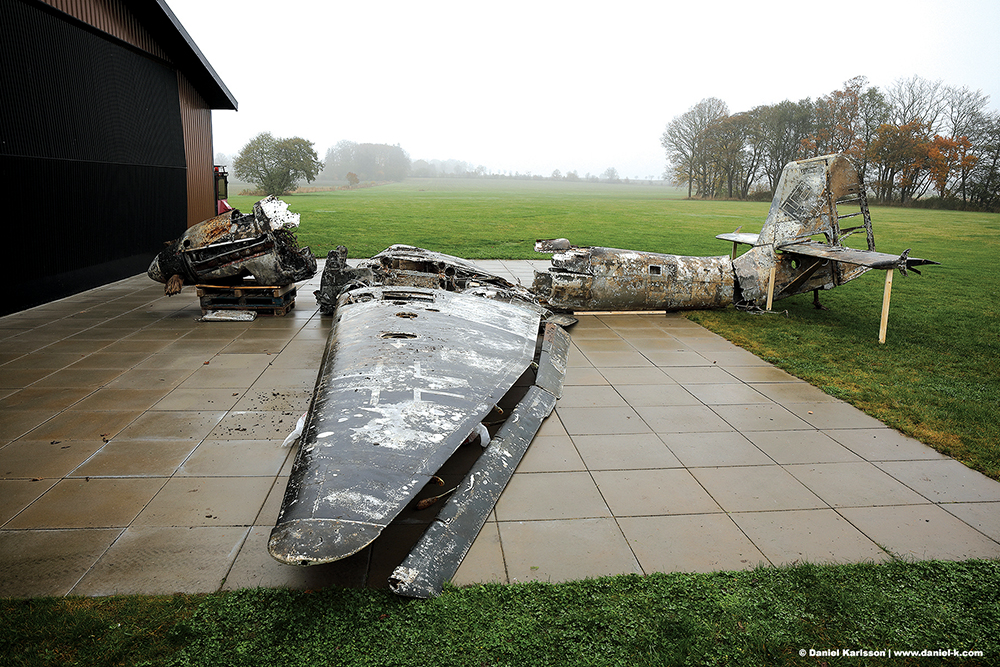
196	118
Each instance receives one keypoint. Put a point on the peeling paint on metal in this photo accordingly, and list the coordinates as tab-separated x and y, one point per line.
394	410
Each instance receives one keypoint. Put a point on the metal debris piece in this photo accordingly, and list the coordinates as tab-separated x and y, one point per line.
597	279
228	316
410	266
424	347
232	245
438	554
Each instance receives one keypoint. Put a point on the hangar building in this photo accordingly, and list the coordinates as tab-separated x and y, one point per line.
105	141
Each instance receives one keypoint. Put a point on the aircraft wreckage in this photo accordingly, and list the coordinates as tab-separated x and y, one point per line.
423	348
425	345
784	259
232	245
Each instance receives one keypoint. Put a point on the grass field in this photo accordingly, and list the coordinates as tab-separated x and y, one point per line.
936	379
489	219
765	616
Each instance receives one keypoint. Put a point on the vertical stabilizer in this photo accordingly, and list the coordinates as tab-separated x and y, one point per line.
804	206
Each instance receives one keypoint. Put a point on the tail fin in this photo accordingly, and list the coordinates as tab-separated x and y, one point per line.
805	201
804	205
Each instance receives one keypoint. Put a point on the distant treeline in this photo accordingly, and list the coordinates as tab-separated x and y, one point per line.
382	162
350	161
916	139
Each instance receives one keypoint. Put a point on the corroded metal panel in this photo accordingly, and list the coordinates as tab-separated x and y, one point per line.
233	245
552	360
406	265
595	279
804	202
408	373
866	258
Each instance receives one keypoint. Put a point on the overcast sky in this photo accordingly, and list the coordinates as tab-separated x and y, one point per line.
542	85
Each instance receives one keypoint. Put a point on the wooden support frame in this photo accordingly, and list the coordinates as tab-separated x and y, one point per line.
885	306
770	287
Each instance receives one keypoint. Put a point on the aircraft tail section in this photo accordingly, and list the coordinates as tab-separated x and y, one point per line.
805	205
805	201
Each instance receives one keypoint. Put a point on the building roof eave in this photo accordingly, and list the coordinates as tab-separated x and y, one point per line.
184	53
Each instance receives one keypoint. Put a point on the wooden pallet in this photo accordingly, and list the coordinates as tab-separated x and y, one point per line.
273	300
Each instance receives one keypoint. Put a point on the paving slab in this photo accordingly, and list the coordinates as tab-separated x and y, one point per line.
921	532
815	536
564	549
690	543
163	560
140	451
50	562
630	451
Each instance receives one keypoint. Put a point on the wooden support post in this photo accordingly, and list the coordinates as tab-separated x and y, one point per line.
770	287
885	306
732	255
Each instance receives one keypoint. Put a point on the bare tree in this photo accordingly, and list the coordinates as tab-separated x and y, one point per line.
873	110
727	141
963	111
685	141
917	100
984	181
783	127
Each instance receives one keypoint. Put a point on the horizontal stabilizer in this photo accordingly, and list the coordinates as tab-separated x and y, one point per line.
868	258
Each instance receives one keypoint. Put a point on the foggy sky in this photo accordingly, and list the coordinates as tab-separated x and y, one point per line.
541	85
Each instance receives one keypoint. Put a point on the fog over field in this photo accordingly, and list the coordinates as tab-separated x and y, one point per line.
535	86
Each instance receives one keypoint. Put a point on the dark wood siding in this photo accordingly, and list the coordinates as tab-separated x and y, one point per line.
91	151
196	118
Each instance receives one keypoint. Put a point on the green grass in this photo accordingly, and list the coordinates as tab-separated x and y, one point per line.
935	379
764	616
485	219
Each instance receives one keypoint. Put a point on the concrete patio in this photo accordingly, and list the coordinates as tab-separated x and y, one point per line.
140	452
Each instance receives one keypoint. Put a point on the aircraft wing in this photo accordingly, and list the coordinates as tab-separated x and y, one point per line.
408	374
868	258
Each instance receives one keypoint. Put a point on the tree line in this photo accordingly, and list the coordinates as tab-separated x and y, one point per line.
915	139
353	162
277	165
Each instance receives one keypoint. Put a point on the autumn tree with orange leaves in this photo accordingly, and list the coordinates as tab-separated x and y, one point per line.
948	160
900	153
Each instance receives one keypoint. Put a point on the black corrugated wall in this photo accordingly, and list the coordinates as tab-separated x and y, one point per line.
91	156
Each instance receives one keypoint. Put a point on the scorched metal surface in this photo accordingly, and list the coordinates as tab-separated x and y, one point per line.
407	375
